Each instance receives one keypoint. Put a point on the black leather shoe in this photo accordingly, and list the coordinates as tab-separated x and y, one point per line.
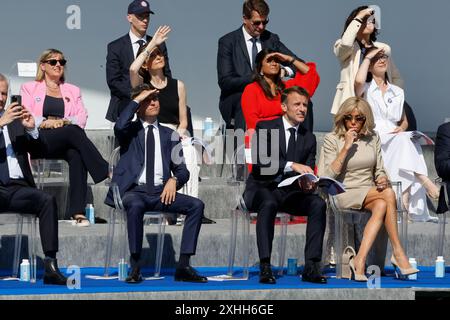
313	274
206	220
134	276
265	274
188	274
52	275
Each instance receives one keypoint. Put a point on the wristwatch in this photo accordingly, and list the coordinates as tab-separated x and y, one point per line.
174	178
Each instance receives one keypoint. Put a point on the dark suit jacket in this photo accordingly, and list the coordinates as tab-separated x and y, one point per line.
130	135
268	170
234	70
118	60
23	143
442	151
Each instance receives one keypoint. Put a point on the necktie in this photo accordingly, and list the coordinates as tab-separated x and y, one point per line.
141	44
290	154
254	51
4	170
150	164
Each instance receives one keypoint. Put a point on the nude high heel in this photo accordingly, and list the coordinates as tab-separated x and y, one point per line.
402	273
355	276
349	253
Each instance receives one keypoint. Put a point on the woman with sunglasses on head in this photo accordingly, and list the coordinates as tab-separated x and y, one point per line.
402	154
148	67
61	117
351	154
360	33
261	99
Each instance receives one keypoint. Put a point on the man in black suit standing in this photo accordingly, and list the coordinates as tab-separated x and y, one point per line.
18	193
236	55
442	153
148	177
122	52
280	149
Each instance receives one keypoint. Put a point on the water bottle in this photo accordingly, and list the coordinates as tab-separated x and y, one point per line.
440	267
413	263
123	270
208	126
292	267
90	215
25	270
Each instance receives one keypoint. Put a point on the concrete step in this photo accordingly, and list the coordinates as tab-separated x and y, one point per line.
86	246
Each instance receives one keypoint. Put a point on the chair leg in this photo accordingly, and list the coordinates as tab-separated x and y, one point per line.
246	244
17	246
441	235
338	229
32	247
160	244
109	240
284	217
232	248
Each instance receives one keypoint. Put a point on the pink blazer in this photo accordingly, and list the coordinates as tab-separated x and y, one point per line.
33	96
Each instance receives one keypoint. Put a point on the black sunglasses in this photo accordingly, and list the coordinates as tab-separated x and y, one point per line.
257	23
53	62
358	118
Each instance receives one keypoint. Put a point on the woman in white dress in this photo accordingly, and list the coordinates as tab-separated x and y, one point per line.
402	154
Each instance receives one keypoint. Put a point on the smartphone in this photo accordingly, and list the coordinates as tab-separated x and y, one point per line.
16	98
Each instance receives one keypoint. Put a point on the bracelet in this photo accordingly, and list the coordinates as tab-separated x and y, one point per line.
293	60
359	20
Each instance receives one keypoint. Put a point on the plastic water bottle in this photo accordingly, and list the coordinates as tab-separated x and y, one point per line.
440	267
413	263
123	270
208	126
25	270
292	267
90	215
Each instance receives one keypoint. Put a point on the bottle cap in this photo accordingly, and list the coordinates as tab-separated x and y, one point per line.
208	119
440	258
412	259
25	261
89	205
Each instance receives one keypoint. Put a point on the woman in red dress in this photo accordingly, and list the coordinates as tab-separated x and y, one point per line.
261	99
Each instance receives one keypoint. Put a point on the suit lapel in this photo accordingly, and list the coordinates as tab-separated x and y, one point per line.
282	137
128	49
243	46
141	141
299	143
164	139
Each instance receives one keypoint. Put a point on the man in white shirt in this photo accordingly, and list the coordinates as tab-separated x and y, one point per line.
150	171
18	193
122	52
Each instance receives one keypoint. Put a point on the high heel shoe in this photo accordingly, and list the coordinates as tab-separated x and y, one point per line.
348	254
402	273
431	189
355	276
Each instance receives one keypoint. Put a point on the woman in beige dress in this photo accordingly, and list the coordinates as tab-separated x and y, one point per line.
352	155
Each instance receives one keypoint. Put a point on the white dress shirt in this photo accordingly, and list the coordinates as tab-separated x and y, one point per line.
158	170
249	43
287	135
134	42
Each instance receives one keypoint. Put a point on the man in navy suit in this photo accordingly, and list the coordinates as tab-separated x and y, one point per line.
235	59
149	173
442	153
121	54
18	193
283	148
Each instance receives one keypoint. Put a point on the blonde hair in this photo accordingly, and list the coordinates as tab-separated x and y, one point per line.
346	108
40	75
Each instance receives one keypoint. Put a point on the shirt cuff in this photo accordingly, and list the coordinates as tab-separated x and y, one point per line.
289	71
34	133
288	167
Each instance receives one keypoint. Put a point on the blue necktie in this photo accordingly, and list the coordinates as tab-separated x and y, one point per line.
254	51
4	170
150	164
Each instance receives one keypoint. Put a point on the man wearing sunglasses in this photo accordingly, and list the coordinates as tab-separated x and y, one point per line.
122	52
235	59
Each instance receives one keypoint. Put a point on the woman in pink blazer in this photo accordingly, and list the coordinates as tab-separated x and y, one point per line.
61	117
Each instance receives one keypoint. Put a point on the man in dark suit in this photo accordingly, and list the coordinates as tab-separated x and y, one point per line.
18	193
442	153
280	149
121	54
150	171
235	60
